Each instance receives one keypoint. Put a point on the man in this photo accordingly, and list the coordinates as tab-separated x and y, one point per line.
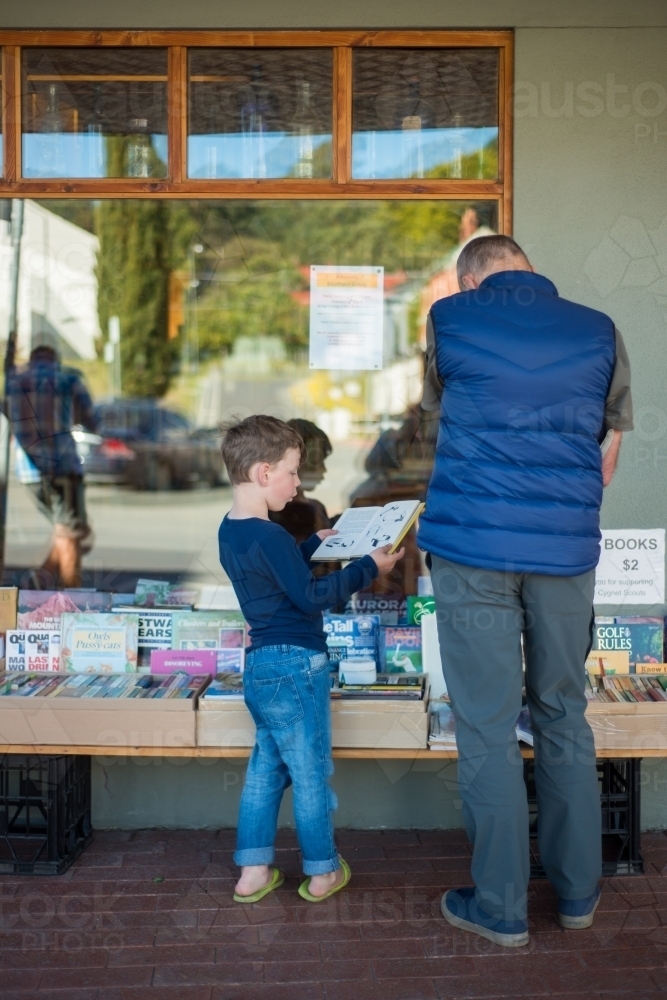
532	386
44	401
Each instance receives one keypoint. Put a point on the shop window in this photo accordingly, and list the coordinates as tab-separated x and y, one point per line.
2	80
241	311
94	113
260	113
211	178
425	113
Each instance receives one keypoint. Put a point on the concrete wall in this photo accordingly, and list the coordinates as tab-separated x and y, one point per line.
591	209
322	14
372	794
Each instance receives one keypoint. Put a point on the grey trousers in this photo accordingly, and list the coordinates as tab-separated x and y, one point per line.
481	617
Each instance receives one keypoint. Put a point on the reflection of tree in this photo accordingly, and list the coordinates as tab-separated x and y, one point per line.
252	277
252	301
133	276
480	165
257	256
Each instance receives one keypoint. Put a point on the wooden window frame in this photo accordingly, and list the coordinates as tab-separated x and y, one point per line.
178	185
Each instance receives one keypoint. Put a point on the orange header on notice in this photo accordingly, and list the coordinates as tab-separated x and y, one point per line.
340	279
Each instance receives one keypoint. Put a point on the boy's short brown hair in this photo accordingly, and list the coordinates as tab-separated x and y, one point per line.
259	438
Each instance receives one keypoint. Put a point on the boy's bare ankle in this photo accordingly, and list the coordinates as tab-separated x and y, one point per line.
253	878
320	884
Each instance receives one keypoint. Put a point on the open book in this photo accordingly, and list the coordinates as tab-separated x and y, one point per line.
363	529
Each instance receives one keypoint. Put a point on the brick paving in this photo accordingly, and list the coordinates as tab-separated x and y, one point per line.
149	915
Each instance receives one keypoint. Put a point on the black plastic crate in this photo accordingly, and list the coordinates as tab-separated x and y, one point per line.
620	800
44	812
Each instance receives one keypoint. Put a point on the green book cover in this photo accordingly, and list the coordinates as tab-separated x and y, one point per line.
400	649
418	607
223	631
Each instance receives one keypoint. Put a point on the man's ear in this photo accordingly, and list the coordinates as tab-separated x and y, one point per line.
468	283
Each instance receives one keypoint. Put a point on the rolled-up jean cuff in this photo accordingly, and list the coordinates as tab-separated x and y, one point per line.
254	856
321	867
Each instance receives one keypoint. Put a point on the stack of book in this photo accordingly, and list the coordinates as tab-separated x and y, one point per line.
228	686
442	728
627	688
408	687
25	684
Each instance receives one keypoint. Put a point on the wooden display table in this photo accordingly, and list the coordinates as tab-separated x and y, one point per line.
340	753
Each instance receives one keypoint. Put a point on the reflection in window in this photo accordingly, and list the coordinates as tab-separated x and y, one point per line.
94	112
260	113
228	338
425	113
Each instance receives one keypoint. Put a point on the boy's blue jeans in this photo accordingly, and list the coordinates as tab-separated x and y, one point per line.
286	689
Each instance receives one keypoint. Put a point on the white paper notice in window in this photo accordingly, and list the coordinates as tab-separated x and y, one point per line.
346	310
631	568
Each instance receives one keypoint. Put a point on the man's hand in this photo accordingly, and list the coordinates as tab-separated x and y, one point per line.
325	533
383	560
610	458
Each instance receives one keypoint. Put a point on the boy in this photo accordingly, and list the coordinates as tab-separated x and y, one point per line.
286	681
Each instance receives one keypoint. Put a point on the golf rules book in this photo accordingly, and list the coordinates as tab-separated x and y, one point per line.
361	530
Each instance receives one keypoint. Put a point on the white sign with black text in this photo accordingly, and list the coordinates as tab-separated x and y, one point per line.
632	567
346	317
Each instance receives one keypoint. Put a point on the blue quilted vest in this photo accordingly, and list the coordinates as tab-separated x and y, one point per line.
517	482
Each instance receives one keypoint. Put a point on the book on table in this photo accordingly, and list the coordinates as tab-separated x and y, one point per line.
385	687
362	530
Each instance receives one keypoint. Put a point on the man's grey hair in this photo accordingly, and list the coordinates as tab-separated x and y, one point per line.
482	252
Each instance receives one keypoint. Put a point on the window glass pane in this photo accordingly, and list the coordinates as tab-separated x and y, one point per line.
2	103
94	112
212	306
260	113
425	113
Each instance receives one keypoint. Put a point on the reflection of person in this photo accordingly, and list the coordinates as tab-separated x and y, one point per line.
530	385
399	465
306	515
45	400
286	682
475	222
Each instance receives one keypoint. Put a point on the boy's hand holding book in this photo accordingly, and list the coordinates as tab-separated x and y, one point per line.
385	559
365	531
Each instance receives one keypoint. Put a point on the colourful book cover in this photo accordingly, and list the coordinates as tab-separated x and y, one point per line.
219	630
192	662
154	629
102	644
37	650
351	636
401	649
418	607
15	649
42	609
156	593
643	640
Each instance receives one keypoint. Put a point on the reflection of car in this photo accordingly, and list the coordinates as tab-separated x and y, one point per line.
149	447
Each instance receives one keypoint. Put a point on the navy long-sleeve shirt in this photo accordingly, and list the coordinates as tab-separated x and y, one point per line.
280	598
